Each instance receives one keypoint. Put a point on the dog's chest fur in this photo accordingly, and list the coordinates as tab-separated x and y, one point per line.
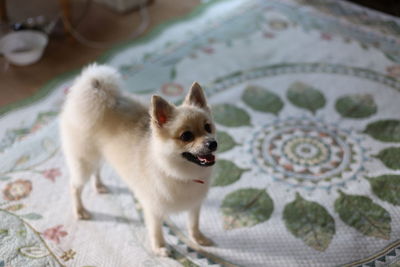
178	195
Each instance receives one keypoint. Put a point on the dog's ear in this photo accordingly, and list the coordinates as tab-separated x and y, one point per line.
161	110
196	97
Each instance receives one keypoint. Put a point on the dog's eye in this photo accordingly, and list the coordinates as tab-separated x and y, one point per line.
187	136
207	127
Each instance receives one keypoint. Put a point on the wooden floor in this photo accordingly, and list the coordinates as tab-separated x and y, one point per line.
64	54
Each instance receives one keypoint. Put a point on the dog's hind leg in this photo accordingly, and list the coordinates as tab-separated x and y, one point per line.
81	171
98	184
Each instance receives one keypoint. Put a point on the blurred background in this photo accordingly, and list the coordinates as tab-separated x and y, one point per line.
79	31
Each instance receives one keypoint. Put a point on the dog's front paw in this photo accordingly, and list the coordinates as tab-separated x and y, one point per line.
83	214
161	251
201	239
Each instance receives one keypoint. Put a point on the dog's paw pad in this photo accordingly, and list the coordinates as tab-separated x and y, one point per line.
161	252
83	214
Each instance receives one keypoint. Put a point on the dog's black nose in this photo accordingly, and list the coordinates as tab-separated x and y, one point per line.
212	145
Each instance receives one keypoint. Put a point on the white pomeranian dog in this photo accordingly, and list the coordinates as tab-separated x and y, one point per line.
163	152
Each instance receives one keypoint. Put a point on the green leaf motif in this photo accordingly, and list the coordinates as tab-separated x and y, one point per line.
390	157
363	215
48	144
356	106
182	259
3	232
305	96
23	159
226	173
172	74
21	233
145	91
384	130
148	56
5	178
386	187
246	207
225	141
32	216
364	46
310	222
261	99
393	57
14	207
230	115
34	252
229	76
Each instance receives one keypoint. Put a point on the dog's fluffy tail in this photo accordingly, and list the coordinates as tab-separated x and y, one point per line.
92	93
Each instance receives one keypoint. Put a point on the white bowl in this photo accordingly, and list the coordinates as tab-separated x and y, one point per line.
23	47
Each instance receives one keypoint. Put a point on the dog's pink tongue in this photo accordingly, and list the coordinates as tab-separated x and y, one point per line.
207	158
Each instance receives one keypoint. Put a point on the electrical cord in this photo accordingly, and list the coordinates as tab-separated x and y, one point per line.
144	23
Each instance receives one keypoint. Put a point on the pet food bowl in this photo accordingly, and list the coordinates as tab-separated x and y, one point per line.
23	47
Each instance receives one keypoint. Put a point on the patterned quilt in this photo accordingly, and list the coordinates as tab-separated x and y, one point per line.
306	96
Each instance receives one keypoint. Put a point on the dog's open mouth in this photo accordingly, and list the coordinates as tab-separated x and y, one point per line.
201	160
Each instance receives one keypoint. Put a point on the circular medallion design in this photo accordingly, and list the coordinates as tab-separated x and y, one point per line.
172	89
308	153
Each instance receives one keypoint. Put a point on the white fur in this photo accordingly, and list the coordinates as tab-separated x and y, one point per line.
97	122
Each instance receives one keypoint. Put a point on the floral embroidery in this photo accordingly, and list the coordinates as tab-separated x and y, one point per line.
269	35
51	174
68	255
14	135
66	90
17	190
55	233
15	207
208	50
326	36
394	70
278	24
172	89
